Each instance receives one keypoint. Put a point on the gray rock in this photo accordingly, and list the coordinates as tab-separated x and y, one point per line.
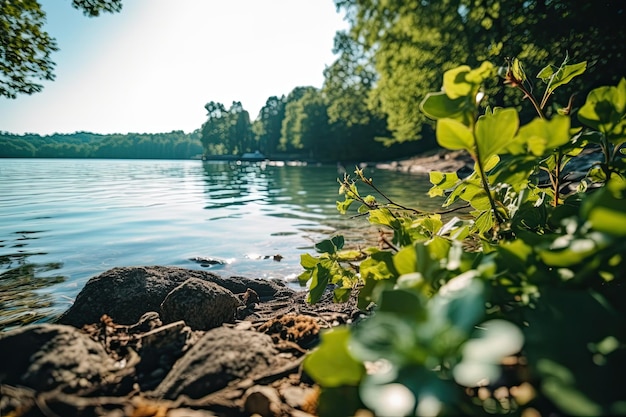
46	356
262	400
159	349
202	305
125	294
219	357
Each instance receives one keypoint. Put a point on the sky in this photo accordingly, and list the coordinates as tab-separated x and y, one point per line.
153	67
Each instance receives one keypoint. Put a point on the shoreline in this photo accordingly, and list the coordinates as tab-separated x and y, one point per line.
186	342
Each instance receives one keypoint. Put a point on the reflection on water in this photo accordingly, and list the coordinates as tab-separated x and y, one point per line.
65	221
21	302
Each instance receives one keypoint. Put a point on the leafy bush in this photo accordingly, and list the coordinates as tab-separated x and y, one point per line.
516	306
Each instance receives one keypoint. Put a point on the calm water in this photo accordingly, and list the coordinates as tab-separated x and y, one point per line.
64	221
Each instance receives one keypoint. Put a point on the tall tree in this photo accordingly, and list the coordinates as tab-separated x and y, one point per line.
306	128
214	133
267	126
26	48
240	130
293	110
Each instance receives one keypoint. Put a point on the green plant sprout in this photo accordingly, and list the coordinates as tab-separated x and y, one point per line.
515	305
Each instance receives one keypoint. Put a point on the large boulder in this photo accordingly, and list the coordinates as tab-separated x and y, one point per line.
219	357
126	293
47	356
202	305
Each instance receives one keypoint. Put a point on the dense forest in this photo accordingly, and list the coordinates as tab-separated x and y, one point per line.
172	145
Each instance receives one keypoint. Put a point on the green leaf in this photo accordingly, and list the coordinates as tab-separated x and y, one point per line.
461	301
562	76
439	248
569	251
463	81
439	106
605	209
517	70
331	364
559	385
605	108
484	222
307	261
441	181
546	73
383	217
304	278
405	261
349	255
330	246
543	136
389	336
495	130
455	84
378	266
343	206
475	195
341	294
561	332
406	303
320	278
454	135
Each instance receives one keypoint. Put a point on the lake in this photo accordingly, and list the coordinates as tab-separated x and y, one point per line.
63	221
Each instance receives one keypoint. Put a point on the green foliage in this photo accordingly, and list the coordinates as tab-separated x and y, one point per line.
524	290
227	132
172	145
25	48
409	42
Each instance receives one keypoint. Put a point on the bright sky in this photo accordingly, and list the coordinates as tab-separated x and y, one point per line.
153	67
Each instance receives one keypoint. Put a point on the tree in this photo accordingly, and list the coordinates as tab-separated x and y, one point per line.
240	131
305	128
410	41
214	133
25	48
267	126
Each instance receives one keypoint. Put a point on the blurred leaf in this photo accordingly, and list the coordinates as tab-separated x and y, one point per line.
543	136
405	261
605	108
404	302
605	209
438	106
387	336
455	84
460	301
559	385
331	364
560	335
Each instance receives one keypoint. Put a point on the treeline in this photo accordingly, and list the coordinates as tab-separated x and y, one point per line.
172	145
302	125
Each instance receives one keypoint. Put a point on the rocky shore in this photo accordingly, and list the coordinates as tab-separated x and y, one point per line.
171	342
